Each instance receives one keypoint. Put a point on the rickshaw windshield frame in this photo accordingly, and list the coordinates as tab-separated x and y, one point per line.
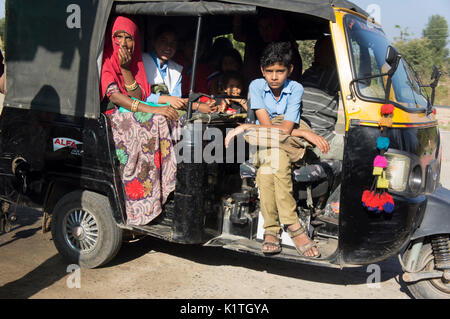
405	87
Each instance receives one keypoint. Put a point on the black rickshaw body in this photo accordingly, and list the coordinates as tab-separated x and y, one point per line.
55	139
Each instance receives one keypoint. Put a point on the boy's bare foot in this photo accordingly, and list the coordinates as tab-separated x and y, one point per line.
302	241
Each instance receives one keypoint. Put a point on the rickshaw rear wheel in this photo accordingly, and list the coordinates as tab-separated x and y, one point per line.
83	229
430	288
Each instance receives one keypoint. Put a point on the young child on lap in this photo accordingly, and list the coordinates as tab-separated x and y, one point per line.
230	99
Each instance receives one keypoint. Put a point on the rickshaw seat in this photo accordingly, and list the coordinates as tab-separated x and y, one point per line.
317	171
310	173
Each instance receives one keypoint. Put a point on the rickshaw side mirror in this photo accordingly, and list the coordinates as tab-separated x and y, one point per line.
435	72
435	75
392	59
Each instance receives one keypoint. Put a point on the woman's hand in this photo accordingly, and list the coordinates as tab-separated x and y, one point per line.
317	140
124	58
236	131
167	111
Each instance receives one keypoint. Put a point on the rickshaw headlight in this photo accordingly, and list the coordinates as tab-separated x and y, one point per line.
415	179
397	171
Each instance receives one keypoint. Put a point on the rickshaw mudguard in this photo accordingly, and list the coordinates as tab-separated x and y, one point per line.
74	153
436	219
367	237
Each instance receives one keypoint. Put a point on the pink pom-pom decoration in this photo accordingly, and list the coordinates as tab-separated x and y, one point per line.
380	161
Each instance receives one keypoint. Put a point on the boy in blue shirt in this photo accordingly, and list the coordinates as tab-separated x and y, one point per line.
272	96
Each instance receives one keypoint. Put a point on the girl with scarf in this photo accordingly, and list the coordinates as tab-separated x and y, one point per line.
142	137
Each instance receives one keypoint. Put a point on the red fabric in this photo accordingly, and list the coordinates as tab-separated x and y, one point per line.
135	190
204	99
158	159
201	80
111	72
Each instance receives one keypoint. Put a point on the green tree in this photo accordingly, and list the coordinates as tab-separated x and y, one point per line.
431	49
2	28
437	32
306	50
418	53
240	46
404	34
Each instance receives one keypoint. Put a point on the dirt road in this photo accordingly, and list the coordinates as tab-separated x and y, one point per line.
30	267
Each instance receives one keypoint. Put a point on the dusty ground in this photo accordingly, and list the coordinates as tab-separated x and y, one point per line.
30	267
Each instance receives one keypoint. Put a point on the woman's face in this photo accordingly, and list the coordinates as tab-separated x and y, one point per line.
233	87
166	46
124	40
229	64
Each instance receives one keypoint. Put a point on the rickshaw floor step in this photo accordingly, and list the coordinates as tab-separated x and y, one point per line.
327	247
156	230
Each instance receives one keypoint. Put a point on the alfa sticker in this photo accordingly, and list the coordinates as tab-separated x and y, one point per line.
62	142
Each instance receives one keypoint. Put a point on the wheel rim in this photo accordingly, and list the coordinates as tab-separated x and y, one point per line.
81	230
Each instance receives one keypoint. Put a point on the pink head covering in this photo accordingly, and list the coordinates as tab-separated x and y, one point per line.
111	66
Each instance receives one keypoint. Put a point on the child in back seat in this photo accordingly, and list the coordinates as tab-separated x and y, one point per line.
161	71
231	85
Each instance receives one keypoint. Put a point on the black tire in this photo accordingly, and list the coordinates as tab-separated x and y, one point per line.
84	231
431	288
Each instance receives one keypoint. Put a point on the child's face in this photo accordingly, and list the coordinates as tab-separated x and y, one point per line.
166	46
233	87
276	74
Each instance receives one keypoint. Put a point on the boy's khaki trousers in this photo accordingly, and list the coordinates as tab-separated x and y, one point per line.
274	181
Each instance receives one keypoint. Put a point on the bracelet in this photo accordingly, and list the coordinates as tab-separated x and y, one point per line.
132	87
134	105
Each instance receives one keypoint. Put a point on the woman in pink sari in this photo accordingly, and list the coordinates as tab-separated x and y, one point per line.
143	135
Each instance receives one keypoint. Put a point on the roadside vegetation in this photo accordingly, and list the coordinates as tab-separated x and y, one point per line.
428	50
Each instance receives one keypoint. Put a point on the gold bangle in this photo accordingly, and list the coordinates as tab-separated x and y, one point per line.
134	105
132	87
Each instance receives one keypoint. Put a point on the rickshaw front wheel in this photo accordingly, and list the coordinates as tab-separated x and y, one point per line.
436	288
83	229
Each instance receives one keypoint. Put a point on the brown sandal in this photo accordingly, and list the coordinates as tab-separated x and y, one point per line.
271	243
303	249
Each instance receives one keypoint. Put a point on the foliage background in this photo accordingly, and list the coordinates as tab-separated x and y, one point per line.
424	52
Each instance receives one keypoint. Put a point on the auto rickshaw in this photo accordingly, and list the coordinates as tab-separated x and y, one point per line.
57	152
